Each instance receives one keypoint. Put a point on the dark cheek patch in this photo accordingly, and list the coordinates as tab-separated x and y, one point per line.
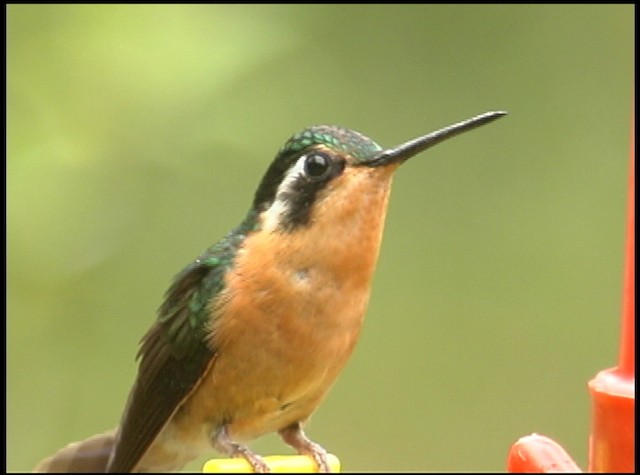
299	202
301	197
276	172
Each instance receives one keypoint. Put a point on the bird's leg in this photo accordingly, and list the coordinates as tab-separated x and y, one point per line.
223	444
294	436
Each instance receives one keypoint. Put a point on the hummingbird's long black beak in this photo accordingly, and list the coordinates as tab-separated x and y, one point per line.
415	146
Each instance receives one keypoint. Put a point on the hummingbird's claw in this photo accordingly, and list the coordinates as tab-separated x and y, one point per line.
223	444
294	436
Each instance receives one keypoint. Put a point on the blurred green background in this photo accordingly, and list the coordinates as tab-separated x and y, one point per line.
137	135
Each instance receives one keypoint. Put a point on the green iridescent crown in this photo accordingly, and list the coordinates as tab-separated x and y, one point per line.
338	138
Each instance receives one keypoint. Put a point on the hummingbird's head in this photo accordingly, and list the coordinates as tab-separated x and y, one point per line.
332	164
304	169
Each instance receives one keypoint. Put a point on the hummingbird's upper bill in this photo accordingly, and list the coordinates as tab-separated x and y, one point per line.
408	149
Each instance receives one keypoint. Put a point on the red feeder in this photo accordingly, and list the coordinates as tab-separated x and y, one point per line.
611	444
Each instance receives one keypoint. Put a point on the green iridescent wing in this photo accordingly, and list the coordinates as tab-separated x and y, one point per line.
174	354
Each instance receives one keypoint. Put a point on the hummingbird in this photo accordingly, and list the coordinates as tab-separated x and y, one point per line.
253	333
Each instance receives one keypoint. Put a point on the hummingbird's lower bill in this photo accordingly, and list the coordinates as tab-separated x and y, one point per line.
253	333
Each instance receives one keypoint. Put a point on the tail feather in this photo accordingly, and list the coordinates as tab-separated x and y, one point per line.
90	455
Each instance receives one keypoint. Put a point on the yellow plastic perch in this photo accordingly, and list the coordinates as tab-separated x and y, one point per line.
277	464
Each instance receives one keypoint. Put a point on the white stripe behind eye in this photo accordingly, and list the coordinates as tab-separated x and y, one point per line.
273	215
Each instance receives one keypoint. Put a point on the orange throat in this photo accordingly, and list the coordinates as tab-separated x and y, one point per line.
303	294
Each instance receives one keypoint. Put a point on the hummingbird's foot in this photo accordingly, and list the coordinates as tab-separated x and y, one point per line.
294	436
223	444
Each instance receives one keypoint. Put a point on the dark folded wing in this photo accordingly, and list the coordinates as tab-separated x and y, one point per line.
174	355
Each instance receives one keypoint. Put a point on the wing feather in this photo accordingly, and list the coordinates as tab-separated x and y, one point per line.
176	352
174	355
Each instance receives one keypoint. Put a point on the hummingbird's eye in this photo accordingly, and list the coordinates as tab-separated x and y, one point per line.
317	165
